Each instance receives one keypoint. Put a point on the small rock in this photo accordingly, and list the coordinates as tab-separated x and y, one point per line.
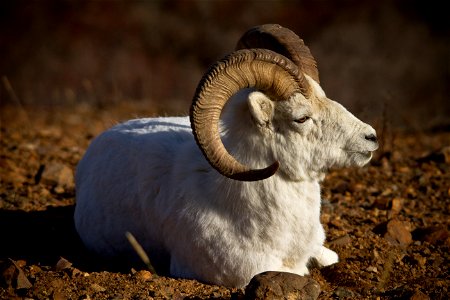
372	269
22	281
76	272
337	222
376	255
358	187
282	285
411	191
57	284
342	293
97	288
396	206
143	275
20	263
50	132
404	169
59	189
418	295
62	264
59	175
381	202
397	232
44	192
421	261
34	270
342	240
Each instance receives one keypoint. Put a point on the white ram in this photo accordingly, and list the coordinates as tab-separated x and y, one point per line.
203	201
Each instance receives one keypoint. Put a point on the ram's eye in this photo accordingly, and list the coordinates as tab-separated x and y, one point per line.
302	119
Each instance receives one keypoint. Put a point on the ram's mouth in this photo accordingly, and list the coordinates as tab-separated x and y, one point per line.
357	151
364	154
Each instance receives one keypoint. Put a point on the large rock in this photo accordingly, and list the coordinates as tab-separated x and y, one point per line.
282	285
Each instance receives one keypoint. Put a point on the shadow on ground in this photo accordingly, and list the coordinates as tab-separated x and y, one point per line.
43	237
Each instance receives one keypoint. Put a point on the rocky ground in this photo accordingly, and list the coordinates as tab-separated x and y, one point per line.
389	221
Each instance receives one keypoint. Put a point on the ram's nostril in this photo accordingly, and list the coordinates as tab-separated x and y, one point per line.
371	137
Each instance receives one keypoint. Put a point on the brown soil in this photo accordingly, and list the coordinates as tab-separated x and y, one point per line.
389	221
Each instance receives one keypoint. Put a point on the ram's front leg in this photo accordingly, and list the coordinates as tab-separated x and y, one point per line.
325	256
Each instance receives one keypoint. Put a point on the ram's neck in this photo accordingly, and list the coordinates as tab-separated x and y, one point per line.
270	198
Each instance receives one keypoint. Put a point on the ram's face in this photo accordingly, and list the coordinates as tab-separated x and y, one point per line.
313	135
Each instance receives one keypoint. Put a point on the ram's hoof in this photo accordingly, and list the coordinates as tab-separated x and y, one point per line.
282	285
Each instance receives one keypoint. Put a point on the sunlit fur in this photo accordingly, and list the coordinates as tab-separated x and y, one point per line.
149	177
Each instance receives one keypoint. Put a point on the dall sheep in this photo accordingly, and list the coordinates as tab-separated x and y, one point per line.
233	189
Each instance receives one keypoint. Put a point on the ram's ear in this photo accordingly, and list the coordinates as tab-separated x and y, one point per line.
261	108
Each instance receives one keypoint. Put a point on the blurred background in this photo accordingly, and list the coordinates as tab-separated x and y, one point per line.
387	61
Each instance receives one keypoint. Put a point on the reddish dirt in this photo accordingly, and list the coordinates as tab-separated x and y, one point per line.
389	221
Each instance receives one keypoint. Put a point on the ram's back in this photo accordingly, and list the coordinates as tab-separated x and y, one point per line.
119	178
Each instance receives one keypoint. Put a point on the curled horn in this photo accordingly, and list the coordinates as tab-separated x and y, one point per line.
261	69
284	41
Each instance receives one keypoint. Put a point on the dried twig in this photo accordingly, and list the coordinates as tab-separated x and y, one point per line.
12	94
141	252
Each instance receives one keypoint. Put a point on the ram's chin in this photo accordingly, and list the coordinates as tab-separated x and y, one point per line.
355	158
361	159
